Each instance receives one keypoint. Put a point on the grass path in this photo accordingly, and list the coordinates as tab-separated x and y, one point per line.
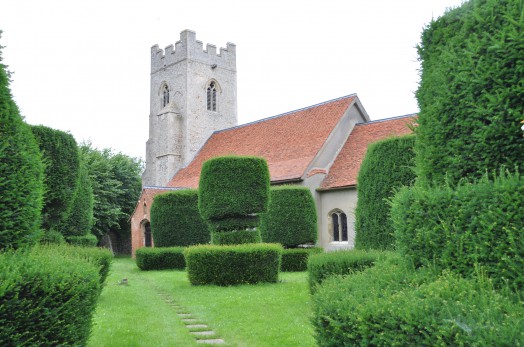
138	314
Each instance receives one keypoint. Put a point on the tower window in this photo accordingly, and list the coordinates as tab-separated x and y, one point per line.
165	96
339	226
212	97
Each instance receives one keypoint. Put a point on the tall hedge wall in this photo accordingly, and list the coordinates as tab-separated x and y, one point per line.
291	219
79	218
21	174
60	155
387	166
233	186
176	221
471	92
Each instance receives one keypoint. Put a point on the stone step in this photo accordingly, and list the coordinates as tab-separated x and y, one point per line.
211	341
196	326
203	333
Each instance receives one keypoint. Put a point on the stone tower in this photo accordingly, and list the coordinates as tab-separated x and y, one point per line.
193	94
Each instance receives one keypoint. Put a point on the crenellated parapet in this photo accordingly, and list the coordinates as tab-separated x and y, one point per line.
188	47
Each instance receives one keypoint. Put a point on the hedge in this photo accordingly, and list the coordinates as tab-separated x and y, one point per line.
291	219
324	265
235	237
296	259
459	228
83	241
232	187
392	305
21	174
47	298
470	93
176	221
60	154
233	265
387	166
160	258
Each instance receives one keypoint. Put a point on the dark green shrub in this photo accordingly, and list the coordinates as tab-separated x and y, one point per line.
392	305
235	237
52	237
175	220
60	155
459	228
160	258
21	174
291	219
83	241
322	266
79	218
387	166
47	298
470	93
233	265
296	259
233	187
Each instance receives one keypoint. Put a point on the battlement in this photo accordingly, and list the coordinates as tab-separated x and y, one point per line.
188	47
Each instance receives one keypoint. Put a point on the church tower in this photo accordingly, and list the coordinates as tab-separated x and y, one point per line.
193	94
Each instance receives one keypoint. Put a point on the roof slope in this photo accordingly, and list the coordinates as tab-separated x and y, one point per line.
344	171
288	142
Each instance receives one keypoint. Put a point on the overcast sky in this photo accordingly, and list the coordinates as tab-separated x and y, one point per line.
83	66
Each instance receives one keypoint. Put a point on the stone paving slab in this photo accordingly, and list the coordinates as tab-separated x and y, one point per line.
196	326
203	333
212	341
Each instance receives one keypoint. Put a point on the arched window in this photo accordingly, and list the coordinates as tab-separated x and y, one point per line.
339	226
212	97
147	235
165	95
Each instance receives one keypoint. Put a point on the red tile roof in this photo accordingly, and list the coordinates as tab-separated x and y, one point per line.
344	171
288	142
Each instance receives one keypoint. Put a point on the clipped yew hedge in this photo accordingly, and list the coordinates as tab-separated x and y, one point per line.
392	305
296	259
291	218
474	224
47	298
89	240
176	221
160	258
233	265
387	166
470	93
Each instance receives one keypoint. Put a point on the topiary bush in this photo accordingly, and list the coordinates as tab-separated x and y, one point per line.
470	93
296	259
47	298
160	258
392	305
176	221
21	174
291	219
235	237
322	266
232	192
233	265
387	166
83	241
60	154
474	224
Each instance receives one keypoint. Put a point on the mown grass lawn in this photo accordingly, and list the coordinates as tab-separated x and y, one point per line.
137	314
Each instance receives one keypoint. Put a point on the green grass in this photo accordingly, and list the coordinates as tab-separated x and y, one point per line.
251	315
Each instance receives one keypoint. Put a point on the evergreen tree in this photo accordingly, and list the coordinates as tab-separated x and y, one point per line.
21	174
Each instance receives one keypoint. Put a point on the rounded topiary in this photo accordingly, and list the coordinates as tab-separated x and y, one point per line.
232	187
291	219
21	174
176	221
387	166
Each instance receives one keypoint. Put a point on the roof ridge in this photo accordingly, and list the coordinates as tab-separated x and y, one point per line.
160	188
388	119
286	113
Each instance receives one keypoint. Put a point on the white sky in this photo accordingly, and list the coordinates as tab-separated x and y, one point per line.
83	66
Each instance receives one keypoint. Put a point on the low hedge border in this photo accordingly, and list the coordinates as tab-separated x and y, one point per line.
296	259
392	305
160	258
322	266
83	241
47	297
233	265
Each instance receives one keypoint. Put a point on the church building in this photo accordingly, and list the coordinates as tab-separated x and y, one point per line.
193	118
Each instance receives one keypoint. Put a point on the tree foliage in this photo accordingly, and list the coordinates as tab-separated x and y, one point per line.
387	166
471	91
60	155
21	173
